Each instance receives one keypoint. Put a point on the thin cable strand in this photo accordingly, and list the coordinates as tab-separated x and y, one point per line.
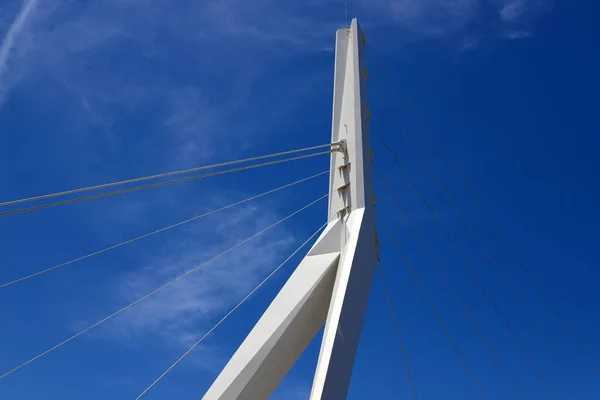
135	189
159	289
451	286
398	335
491	220
505	279
230	312
476	278
164	175
160	230
433	308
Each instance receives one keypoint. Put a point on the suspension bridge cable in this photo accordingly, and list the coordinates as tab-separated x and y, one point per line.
451	286
167	174
222	320
160	288
473	274
521	302
491	220
433	308
153	185
398	335
160	230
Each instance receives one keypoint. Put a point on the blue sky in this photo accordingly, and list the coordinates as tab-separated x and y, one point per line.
92	92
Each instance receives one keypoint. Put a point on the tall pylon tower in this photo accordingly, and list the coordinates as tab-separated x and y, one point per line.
331	285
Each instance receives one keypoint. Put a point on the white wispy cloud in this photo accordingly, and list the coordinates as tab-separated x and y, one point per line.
515	10
117	58
191	74
70	42
188	70
182	313
517	16
10	39
430	18
308	24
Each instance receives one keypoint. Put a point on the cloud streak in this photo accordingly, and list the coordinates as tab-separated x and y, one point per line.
69	37
514	11
180	314
191	77
9	41
115	60
517	16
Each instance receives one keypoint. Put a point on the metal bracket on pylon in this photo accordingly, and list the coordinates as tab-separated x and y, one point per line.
341	146
344	167
342	213
342	188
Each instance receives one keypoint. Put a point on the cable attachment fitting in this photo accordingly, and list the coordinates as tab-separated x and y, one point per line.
342	212
343	188
340	146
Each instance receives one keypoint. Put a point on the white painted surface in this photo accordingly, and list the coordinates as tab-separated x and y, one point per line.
284	330
332	284
358	253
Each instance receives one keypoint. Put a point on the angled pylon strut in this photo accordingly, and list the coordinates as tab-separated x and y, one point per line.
332	283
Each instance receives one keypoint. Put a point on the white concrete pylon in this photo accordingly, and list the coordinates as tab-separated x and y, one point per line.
331	285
